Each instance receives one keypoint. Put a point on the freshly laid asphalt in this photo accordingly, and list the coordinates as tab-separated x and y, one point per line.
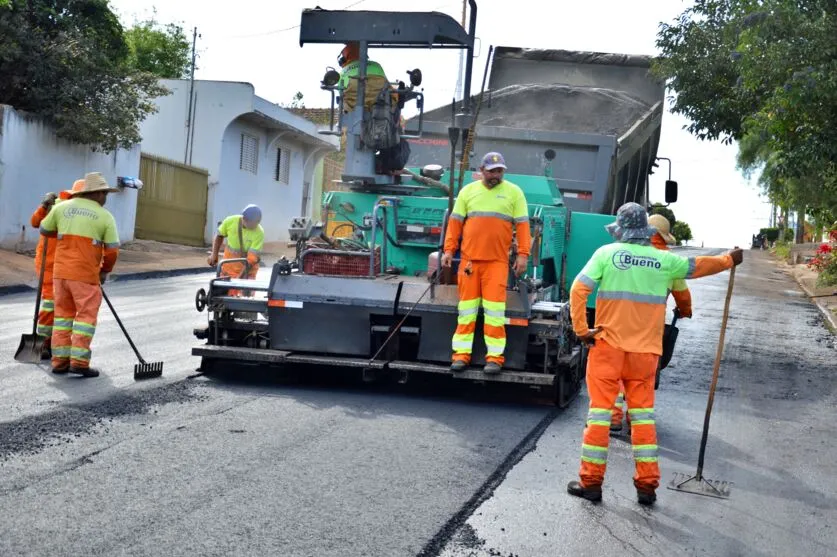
259	466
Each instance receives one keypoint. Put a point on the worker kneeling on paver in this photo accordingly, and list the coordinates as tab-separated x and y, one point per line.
86	251
484	214
661	239
244	237
633	279
46	313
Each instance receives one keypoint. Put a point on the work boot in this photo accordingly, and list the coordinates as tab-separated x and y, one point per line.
590	493
458	365
60	370
615	427
46	353
646	497
85	371
491	368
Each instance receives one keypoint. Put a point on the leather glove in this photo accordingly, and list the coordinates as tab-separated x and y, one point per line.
737	255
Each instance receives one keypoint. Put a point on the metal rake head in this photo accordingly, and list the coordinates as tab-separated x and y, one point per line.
146	370
700	486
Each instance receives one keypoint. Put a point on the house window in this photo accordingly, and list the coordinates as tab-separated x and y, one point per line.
249	161
282	171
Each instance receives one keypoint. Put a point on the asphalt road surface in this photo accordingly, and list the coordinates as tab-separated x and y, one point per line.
225	466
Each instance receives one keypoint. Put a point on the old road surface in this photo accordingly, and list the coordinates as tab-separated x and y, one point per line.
234	466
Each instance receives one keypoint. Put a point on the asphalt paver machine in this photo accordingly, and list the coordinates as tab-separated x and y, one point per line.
365	292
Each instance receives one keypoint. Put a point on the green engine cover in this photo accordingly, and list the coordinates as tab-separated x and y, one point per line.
587	234
414	225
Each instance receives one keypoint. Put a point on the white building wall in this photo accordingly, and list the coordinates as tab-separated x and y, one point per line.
34	161
216	147
279	201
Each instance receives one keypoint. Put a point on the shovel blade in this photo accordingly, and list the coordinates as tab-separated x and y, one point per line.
700	486
148	370
30	348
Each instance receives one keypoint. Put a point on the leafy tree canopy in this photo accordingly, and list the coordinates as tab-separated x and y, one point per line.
68	62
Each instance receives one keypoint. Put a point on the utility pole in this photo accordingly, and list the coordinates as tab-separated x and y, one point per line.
191	97
461	55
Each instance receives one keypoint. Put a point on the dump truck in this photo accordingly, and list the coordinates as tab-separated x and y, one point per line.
591	120
365	292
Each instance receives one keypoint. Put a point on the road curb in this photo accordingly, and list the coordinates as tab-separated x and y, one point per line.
826	313
9	289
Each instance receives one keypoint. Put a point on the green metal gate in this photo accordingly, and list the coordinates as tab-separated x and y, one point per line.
171	206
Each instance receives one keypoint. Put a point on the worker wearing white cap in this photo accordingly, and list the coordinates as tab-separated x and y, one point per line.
244	237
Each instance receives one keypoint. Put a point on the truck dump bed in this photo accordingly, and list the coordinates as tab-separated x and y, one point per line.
598	116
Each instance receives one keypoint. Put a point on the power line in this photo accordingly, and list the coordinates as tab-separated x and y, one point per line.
277	31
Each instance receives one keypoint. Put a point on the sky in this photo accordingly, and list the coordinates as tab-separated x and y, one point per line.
257	41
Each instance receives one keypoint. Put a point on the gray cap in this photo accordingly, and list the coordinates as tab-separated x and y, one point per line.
252	213
631	223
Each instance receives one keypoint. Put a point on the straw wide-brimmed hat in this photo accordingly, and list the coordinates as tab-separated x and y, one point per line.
663	228
67	194
93	182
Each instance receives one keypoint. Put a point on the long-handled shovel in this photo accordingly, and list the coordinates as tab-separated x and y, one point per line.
697	484
142	370
32	345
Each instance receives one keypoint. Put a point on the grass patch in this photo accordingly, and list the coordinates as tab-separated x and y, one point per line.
782	250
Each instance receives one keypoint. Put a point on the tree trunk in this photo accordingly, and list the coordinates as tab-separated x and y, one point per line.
800	226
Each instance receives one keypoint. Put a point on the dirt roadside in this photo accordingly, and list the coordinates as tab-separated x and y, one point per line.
137	259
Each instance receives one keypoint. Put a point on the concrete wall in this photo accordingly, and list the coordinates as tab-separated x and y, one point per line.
33	161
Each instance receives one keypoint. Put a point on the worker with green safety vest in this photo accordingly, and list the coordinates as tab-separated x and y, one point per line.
376	79
633	279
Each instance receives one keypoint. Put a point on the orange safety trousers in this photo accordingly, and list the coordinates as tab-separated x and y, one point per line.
606	366
236	270
481	284
46	313
76	313
619	408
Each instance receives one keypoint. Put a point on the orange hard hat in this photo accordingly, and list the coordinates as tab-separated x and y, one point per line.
77	186
350	53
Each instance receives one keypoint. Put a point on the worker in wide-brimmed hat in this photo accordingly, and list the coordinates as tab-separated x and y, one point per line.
244	238
633	278
661	239
46	313
86	251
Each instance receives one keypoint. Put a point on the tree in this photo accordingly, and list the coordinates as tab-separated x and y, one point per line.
67	62
681	232
162	50
763	74
660	209
296	102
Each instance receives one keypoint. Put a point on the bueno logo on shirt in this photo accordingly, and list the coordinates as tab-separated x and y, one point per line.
80	212
624	260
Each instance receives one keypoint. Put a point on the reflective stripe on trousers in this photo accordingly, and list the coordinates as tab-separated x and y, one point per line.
485	287
76	314
606	366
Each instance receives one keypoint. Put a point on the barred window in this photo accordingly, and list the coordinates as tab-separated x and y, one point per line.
249	160
282	172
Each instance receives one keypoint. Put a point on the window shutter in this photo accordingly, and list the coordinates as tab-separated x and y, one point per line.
249	161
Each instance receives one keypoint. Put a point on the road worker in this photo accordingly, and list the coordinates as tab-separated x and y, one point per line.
46	313
661	239
633	279
244	237
485	214
86	251
376	79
